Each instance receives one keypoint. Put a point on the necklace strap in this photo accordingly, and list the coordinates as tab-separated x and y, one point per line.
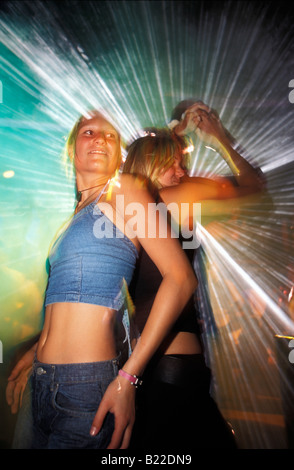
101	192
95	200
79	193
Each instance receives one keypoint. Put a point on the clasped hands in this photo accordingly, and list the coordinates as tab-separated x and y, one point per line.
202	120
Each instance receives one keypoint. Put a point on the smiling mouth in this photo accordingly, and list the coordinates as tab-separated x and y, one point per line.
98	152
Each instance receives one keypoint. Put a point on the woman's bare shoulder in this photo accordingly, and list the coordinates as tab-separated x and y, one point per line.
133	186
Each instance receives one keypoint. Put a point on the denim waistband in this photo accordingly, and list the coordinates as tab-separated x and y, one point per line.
70	373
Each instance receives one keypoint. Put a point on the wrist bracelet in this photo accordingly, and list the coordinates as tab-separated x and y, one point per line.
136	381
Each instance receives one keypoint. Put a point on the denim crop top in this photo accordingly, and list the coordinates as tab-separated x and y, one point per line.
91	261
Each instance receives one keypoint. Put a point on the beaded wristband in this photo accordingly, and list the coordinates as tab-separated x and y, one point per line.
136	381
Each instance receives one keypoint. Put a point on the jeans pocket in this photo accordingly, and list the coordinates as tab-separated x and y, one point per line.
77	399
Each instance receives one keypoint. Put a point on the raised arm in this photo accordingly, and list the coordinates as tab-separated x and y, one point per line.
207	125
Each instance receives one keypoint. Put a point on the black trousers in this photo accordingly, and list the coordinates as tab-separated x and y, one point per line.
175	410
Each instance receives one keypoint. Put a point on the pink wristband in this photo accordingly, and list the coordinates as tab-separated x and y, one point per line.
136	381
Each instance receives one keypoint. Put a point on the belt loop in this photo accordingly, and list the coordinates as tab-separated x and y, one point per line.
52	378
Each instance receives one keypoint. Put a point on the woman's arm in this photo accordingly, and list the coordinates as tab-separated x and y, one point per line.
218	196
207	125
18	378
177	286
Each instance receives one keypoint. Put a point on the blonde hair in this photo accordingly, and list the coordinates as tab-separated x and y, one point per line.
70	145
153	154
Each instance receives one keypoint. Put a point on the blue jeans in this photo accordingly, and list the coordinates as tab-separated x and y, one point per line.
65	399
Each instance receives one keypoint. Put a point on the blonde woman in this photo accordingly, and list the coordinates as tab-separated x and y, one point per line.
82	397
175	409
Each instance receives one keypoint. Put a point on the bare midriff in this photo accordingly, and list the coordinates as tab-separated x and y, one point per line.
77	333
182	343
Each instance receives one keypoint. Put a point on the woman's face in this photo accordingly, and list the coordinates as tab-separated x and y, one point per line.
172	176
97	148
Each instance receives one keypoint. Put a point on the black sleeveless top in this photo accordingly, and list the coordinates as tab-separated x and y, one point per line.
143	289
